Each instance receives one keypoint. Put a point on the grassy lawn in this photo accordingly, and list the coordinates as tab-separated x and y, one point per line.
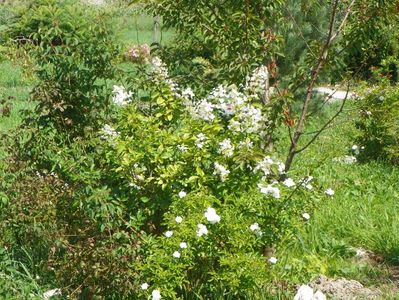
16	88
363	213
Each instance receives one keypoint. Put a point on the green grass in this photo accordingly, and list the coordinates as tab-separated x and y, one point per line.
15	89
136	27
363	213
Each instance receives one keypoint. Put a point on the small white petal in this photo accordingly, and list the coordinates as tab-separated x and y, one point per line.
168	233
183	245
144	286
306	216
254	227
176	254
178	219
329	192
272	260
182	194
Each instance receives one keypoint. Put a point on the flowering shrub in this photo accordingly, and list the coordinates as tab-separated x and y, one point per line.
155	192
208	196
378	125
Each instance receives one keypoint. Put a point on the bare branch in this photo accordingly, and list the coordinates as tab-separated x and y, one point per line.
314	76
326	124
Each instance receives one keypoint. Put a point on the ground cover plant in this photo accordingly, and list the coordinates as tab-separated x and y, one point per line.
124	181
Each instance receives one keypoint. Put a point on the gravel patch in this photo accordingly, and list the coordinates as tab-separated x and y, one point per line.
344	289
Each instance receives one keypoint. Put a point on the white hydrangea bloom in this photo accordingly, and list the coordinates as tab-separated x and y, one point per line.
226	148
248	119
212	216
221	171
161	75
227	99
121	96
201	230
188	94
256	82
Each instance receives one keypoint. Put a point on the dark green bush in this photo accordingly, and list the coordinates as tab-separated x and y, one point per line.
372	35
379	125
74	49
62	204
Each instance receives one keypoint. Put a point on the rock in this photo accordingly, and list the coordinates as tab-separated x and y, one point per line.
344	289
305	292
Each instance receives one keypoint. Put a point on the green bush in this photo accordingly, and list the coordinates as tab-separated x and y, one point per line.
74	50
371	35
378	125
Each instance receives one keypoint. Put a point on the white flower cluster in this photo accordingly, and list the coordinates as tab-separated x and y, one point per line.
256	82
226	148
201	230
200	140
256	229
266	166
212	216
306	182
289	182
204	110
161	75
229	101
108	132
248	119
221	171
270	189
121	96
